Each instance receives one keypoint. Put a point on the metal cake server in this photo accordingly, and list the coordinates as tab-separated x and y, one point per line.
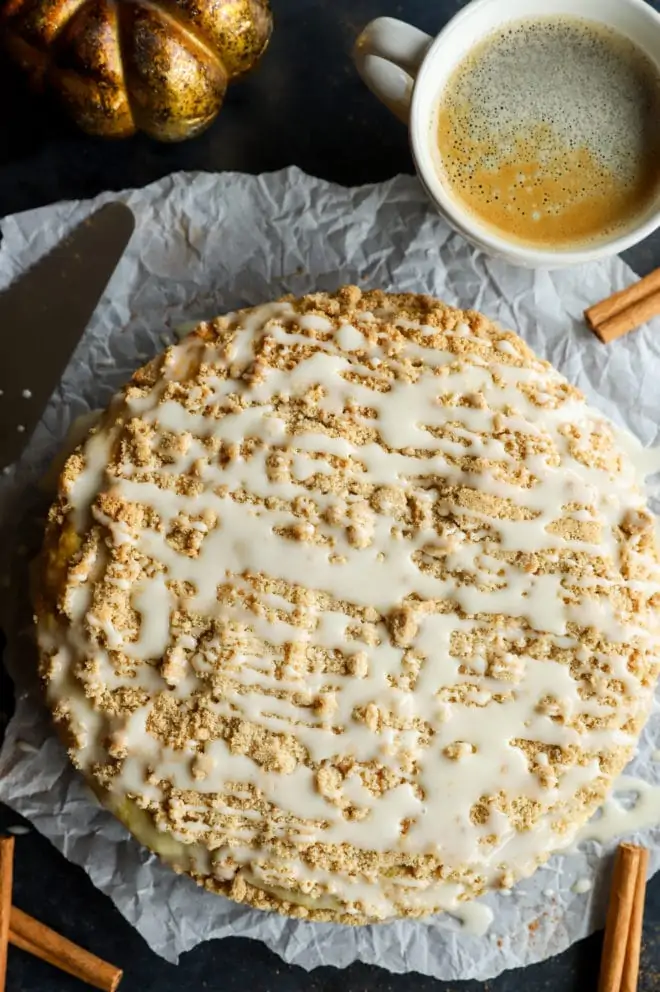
43	316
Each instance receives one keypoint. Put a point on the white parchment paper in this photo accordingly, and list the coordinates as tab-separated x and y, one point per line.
205	244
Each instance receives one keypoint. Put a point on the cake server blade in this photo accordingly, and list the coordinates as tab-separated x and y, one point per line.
43	315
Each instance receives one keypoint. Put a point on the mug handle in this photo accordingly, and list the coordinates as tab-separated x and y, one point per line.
387	55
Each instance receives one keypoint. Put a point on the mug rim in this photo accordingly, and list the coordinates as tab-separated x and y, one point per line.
470	228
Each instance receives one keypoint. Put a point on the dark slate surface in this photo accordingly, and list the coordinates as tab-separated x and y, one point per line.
306	107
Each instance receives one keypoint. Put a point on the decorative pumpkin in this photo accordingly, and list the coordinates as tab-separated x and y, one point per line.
121	66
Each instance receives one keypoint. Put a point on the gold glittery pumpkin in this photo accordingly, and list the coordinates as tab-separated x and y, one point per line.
121	66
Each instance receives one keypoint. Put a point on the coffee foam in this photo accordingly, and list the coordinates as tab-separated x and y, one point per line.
548	130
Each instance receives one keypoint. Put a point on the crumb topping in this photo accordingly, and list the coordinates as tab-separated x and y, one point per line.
349	606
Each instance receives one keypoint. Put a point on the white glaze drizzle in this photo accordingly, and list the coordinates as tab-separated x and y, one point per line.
582	885
632	805
371	561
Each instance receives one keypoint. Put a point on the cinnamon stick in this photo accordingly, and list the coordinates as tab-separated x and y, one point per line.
6	880
634	944
619	917
38	952
626	310
49	946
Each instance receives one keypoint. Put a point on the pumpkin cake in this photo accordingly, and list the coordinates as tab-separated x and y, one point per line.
349	606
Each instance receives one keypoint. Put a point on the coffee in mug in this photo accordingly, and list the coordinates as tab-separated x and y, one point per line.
548	132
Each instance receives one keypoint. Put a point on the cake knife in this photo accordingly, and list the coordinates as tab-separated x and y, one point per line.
43	315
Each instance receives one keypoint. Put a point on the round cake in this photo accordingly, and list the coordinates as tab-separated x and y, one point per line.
349	606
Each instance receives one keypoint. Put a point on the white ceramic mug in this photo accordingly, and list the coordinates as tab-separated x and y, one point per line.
407	70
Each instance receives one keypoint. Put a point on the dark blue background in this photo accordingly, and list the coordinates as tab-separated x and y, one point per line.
304	106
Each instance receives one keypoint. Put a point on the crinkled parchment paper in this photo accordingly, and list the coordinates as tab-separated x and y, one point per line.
205	244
